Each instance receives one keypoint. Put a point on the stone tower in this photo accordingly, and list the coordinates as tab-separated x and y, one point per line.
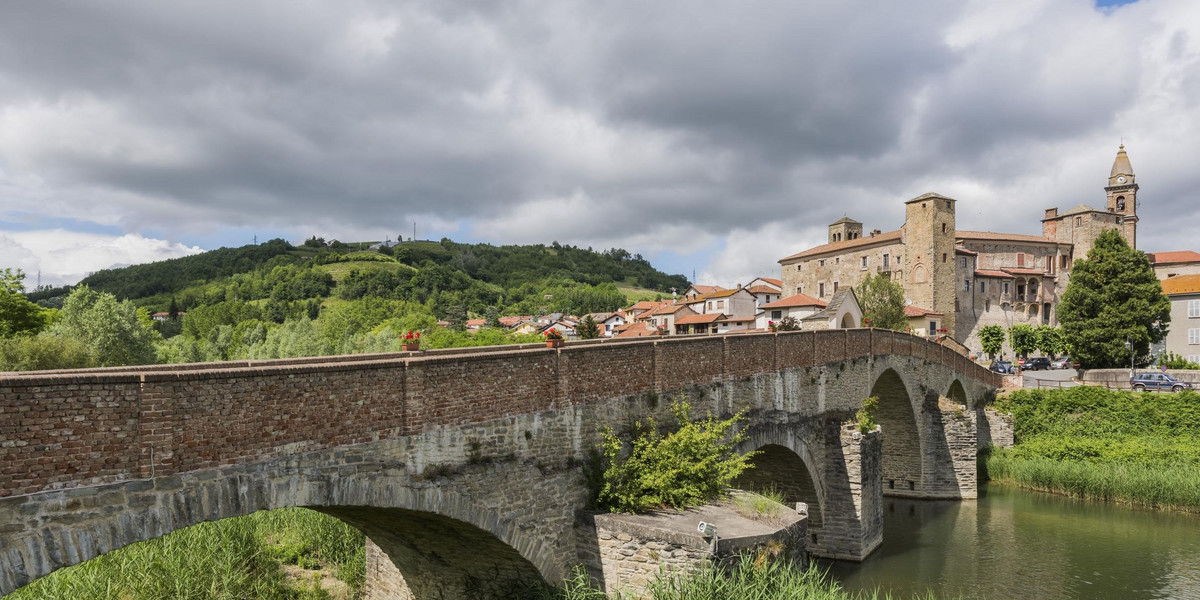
844	229
1122	191
929	280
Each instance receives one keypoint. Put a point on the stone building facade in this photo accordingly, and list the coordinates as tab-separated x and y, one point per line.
968	279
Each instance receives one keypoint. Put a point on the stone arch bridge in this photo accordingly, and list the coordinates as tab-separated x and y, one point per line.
465	468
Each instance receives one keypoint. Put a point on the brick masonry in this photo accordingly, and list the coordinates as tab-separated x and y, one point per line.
492	439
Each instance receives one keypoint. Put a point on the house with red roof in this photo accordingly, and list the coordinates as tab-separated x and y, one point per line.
1183	337
1173	264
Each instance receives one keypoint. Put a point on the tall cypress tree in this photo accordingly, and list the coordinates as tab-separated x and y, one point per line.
1113	297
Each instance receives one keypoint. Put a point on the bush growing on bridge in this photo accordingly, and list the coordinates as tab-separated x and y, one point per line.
689	467
866	415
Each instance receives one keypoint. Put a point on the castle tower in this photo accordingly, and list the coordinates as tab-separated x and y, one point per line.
844	229
929	232
1122	191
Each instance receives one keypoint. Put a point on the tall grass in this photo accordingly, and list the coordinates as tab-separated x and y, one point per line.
1087	442
746	580
232	559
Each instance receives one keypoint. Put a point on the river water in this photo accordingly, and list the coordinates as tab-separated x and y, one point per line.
1017	545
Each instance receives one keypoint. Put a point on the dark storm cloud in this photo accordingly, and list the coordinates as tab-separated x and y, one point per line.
708	118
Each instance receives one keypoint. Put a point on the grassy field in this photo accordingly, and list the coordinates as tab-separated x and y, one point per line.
339	270
1104	444
637	294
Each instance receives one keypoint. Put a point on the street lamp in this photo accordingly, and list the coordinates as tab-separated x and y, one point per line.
1129	344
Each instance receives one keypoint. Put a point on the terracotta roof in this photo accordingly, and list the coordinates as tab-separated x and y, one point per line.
632	330
961	250
916	311
1001	237
1176	257
761	289
476	322
774	282
882	238
989	273
665	309
1024	271
699	319
706	289
794	301
718	294
740	319
644	305
1183	284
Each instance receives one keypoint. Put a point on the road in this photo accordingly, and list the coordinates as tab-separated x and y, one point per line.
1050	378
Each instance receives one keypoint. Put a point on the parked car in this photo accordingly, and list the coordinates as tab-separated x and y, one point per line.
1142	382
1061	363
1003	366
1040	363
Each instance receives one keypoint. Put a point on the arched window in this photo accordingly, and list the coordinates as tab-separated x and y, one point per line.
1120	202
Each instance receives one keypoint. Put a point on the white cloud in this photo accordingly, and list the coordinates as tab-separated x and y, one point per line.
65	257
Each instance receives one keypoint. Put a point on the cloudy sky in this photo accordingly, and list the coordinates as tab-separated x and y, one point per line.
715	137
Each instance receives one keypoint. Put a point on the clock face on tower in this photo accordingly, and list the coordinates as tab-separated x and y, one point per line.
1121	179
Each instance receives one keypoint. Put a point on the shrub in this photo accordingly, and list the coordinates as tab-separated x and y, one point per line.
688	467
866	414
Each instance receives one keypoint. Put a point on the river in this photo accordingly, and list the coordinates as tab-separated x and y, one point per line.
1013	544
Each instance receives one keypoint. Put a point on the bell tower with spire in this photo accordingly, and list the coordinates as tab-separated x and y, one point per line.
1122	191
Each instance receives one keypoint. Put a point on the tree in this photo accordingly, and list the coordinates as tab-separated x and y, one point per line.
588	329
115	333
1113	297
1050	340
18	315
1023	339
882	302
991	337
173	310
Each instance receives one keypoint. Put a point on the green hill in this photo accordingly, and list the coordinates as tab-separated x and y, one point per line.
446	276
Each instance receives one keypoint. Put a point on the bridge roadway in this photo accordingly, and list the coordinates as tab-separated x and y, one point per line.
465	468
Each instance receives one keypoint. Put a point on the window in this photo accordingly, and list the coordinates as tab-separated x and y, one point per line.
966	285
864	262
1194	336
943	257
982	286
943	228
837	261
1021	259
821	262
799	289
835	286
798	267
1194	358
1005	287
720	304
1063	261
1193	309
1079	221
777	314
886	261
821	290
932	328
1120	202
962	262
709	305
1049	264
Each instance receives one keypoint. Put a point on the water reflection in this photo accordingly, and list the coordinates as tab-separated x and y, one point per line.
1017	545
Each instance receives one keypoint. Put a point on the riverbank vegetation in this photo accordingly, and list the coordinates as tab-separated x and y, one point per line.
1090	442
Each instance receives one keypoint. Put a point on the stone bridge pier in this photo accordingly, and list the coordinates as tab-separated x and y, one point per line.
467	468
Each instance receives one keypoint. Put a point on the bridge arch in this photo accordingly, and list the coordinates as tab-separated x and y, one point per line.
785	463
899	417
426	539
957	393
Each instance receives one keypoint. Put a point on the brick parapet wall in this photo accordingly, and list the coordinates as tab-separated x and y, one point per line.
75	428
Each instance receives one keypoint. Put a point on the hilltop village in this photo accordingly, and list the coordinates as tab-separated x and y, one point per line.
955	281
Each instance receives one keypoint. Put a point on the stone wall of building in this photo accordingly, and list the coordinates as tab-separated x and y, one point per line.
844	268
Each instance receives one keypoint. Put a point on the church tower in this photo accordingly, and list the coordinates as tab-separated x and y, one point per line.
1122	191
